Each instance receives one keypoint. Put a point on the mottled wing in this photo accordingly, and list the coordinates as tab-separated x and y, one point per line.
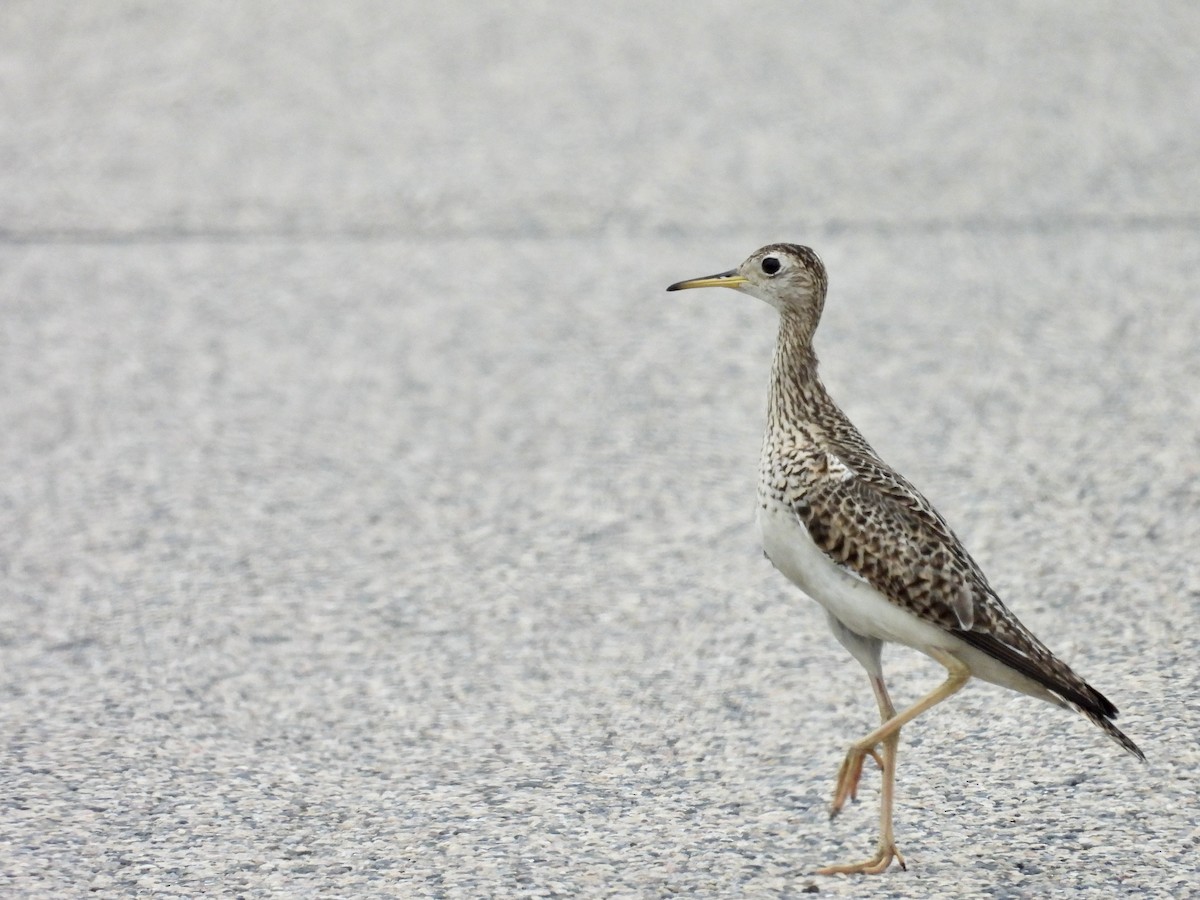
881	528
891	545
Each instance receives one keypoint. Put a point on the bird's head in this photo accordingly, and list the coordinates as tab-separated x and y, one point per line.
789	277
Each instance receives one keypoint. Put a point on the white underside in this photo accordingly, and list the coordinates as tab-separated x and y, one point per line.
864	611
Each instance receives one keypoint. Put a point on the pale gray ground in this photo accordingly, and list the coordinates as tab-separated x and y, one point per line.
373	524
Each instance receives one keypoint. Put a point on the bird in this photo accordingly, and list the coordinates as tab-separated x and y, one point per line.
857	537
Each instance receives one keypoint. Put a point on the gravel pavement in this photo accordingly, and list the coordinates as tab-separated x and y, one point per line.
372	524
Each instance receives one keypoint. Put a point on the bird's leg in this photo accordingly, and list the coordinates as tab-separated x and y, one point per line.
888	734
886	849
851	770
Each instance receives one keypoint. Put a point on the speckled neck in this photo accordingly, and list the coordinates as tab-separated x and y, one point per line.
797	395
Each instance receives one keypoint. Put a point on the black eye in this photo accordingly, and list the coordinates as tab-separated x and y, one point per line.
770	265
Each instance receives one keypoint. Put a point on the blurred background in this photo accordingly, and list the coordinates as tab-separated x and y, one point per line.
372	523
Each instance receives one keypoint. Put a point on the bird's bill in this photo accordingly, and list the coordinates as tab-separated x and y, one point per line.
730	279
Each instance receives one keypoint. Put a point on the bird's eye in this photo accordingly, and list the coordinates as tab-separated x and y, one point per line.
770	265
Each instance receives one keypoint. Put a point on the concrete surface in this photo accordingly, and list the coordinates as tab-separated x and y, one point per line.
373	525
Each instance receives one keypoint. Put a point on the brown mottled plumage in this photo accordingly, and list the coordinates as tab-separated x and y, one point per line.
863	542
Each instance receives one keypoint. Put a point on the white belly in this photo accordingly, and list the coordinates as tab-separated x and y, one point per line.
862	609
846	596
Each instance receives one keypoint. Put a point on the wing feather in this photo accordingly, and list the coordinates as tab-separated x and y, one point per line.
870	520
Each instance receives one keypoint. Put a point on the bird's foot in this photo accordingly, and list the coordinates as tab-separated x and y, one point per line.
878	863
849	775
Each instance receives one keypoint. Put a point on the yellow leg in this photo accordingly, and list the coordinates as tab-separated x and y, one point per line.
851	771
888	734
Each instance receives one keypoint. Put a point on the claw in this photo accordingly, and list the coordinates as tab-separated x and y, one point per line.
878	863
849	775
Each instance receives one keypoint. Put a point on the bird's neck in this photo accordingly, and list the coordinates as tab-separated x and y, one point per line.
797	395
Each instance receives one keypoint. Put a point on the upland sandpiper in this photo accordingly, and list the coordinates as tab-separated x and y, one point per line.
855	536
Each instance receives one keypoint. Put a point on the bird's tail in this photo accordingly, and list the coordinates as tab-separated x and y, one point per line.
1020	650
1113	732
